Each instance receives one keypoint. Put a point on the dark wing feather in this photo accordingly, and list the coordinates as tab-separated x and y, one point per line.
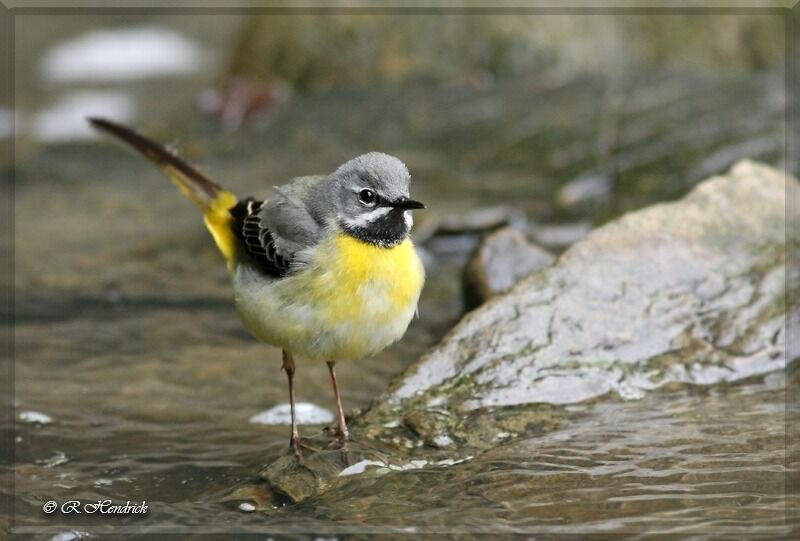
257	239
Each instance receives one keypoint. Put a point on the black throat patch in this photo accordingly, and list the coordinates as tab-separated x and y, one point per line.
386	231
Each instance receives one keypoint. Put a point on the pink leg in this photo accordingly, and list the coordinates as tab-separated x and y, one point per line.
288	366
342	433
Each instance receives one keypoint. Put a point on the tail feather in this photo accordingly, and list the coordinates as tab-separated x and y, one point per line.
209	197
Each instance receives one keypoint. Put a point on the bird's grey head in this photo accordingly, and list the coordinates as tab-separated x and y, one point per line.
372	200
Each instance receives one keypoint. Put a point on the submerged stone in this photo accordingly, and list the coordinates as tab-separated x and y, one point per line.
503	258
250	497
317	471
461	233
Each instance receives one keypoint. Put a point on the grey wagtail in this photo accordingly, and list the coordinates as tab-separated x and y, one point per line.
324	269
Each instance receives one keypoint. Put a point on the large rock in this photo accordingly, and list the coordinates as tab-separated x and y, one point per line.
686	292
691	291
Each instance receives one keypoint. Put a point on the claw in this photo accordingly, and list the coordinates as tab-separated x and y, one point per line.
296	444
338	443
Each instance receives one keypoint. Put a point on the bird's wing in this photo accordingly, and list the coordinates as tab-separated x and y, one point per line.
257	240
273	233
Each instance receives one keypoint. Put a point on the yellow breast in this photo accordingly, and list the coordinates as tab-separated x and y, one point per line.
370	281
352	300
364	295
394	274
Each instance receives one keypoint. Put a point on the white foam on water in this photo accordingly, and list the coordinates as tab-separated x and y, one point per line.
35	417
66	119
56	460
71	535
360	467
247	507
121	55
306	413
442	440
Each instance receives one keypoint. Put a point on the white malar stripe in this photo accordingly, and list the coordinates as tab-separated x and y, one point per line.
409	220
366	219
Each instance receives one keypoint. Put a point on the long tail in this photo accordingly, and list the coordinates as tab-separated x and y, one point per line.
209	197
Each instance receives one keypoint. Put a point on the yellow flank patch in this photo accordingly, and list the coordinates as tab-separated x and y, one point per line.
218	221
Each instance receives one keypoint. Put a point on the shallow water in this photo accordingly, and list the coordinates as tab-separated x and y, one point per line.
125	336
689	461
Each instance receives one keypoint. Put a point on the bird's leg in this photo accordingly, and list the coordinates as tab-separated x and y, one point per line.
288	366
341	433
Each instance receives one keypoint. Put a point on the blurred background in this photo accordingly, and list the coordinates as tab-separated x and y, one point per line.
134	377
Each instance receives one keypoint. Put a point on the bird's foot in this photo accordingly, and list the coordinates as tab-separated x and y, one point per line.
297	445
342	438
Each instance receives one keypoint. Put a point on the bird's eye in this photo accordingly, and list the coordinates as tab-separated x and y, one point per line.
367	197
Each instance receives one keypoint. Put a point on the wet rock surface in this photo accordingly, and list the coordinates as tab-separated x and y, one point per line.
320	468
685	292
690	291
503	258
